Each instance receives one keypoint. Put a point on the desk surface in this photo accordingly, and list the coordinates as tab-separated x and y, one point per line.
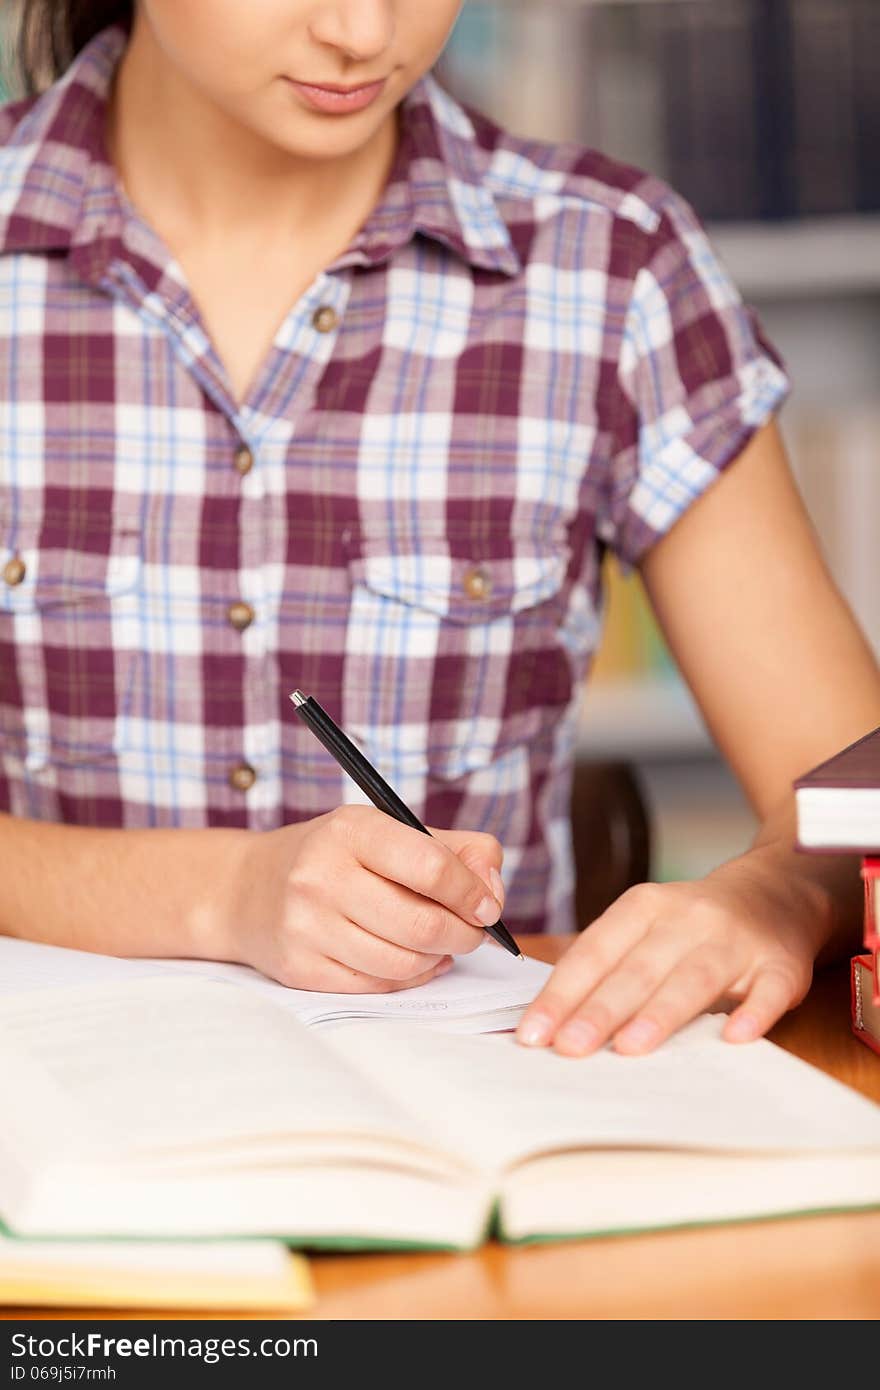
817	1267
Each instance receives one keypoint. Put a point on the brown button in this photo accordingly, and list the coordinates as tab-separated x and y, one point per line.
476	583
14	571
242	777
325	319
240	615
244	460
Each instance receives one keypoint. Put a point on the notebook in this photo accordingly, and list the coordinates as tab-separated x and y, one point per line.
838	802
198	1276
484	991
184	1107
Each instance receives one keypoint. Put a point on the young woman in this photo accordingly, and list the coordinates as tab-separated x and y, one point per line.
310	378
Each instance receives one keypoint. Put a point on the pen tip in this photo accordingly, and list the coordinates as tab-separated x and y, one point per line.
298	697
520	956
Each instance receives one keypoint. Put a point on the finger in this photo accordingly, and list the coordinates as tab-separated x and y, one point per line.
621	994
472	846
328	976
352	945
595	953
773	991
389	912
480	852
419	862
694	984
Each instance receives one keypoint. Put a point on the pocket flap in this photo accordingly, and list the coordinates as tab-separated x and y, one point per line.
475	589
58	577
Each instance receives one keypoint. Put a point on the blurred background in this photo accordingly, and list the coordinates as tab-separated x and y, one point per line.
766	115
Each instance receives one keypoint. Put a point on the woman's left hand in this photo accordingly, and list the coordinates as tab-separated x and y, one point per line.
663	953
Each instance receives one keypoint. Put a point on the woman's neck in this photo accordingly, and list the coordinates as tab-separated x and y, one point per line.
192	169
249	224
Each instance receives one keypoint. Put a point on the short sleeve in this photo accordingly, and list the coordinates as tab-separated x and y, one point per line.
696	379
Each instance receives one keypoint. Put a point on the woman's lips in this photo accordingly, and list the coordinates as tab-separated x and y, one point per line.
338	101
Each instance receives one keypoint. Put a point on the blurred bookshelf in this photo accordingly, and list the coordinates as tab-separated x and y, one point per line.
810	257
765	114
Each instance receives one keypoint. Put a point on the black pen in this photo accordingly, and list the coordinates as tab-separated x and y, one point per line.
351	760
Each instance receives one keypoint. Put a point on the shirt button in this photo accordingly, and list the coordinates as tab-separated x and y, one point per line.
242	777
325	319
244	460
14	571
476	583
240	615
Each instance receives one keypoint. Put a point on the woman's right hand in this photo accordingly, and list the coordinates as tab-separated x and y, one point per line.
355	902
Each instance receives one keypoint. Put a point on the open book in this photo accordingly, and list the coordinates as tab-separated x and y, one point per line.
483	992
184	1107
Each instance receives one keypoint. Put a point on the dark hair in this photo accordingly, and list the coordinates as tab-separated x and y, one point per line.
52	32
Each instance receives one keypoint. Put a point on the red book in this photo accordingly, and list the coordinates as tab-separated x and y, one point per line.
870	875
865	1002
838	802
871	879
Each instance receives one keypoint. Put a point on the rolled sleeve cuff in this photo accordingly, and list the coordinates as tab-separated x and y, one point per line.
680	459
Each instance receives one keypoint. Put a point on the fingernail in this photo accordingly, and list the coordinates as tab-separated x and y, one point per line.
535	1030
488	912
577	1038
744	1028
637	1036
495	884
443	966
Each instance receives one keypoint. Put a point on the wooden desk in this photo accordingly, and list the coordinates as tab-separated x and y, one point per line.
817	1267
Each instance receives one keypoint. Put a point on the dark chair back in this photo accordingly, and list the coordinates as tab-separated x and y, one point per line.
612	836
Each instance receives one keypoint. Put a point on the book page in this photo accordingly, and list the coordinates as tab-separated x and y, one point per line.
167	1066
486	982
29	965
500	1102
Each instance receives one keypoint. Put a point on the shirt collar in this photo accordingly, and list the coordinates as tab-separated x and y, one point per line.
58	192
56	180
437	189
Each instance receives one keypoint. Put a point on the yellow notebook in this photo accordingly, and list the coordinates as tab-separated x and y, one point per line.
233	1275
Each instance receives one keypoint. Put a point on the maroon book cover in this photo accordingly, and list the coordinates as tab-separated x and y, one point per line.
855	766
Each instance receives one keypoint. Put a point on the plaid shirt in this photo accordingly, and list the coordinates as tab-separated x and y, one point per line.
528	354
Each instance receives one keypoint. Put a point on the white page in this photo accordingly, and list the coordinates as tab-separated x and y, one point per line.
27	965
155	1065
496	1101
488	980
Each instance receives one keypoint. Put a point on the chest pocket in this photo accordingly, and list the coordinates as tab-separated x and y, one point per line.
451	660
68	640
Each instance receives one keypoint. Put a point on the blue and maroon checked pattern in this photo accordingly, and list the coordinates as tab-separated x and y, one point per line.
533	354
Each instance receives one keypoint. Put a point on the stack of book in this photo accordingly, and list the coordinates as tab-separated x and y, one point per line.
838	811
